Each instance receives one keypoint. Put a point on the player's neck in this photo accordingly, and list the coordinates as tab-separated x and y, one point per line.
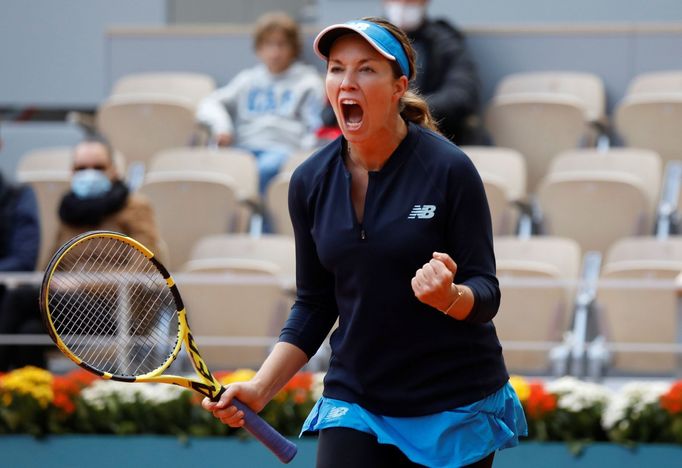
373	153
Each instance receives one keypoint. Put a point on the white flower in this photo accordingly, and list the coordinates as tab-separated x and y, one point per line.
634	397
100	391
318	385
575	395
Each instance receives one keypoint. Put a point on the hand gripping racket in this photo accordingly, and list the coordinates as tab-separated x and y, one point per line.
113	309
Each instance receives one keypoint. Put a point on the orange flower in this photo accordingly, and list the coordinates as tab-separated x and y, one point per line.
300	381
671	401
65	389
539	401
81	377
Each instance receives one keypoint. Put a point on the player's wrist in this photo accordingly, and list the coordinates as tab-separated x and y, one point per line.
456	294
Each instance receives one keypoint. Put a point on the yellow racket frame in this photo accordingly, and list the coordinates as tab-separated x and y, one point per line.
207	384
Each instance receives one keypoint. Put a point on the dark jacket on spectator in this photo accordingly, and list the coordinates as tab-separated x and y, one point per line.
19	228
448	79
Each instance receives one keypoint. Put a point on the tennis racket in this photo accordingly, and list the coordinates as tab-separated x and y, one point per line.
112	308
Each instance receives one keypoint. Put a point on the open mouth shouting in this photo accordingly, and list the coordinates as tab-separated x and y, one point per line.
352	113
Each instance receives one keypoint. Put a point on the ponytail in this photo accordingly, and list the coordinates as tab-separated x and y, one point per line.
414	108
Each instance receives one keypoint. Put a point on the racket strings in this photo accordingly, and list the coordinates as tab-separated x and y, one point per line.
112	307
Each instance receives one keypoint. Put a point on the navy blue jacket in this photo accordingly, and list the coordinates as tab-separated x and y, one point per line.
20	237
391	353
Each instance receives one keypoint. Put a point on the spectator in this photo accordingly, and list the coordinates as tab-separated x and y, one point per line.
446	75
272	109
19	244
98	199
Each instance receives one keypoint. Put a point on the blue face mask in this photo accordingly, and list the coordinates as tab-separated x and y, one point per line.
90	183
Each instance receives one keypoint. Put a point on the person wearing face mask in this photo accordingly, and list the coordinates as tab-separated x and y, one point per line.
446	75
99	199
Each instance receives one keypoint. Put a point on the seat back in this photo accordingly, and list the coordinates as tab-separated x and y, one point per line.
535	277
539	126
641	163
141	126
238	164
189	206
277	203
193	86
656	82
649	120
242	252
503	172
236	309
594	208
57	159
587	87
638	303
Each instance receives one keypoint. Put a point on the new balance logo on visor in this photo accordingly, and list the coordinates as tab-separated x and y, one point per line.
422	212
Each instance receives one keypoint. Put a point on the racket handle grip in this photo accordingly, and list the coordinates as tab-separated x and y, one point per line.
284	449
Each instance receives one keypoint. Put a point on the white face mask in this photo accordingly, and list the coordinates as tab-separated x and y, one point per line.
407	17
90	183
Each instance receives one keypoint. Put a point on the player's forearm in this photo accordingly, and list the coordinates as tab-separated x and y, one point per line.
279	367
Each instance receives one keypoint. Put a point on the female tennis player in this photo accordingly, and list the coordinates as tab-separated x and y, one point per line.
393	238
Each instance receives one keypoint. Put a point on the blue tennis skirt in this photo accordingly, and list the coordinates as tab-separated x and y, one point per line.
453	438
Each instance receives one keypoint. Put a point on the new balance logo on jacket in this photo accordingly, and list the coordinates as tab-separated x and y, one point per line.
422	212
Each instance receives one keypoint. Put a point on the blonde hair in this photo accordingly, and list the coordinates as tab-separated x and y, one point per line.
412	106
278	21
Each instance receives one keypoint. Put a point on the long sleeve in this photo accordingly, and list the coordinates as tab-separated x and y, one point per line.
472	242
315	310
24	239
213	109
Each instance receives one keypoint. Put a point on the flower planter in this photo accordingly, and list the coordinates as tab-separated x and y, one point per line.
167	452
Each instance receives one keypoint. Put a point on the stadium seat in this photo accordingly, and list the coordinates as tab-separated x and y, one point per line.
537	279
248	311
542	114
189	206
244	253
240	165
277	203
645	164
650	113
294	160
193	86
597	201
141	126
589	88
503	172
638	305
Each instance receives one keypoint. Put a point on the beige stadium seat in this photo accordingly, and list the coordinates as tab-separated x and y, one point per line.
240	309
595	208
194	86
652	120
238	164
189	206
656	82
503	171
537	125
536	277
270	253
141	126
295	160
277	203
589	88
543	113
642	163
638	303
58	159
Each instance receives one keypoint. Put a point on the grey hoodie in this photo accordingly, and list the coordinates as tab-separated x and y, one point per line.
266	111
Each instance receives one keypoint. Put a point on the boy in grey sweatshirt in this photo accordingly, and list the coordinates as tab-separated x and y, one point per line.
272	109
